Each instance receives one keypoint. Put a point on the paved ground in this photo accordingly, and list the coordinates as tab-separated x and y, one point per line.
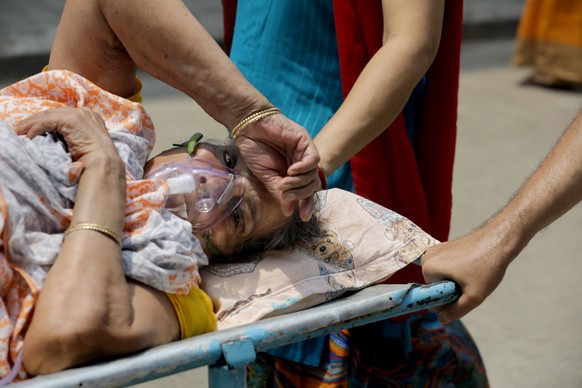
529	329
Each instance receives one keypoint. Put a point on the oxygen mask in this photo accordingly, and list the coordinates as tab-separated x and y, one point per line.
201	191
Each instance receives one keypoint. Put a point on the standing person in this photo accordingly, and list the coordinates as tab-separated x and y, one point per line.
379	95
164	39
477	262
549	39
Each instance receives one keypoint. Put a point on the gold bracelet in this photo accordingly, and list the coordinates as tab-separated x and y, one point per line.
253	119
95	227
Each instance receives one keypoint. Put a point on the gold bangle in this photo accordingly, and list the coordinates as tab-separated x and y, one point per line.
253	119
95	227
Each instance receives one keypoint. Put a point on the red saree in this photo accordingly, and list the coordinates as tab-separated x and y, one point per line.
387	171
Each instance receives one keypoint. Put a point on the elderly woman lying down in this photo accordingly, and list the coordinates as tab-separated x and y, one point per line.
106	252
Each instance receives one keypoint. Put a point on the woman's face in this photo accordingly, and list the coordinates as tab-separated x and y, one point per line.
257	216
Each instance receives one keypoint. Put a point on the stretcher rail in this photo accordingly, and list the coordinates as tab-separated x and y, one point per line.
227	352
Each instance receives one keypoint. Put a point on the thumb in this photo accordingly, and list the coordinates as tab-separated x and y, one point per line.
447	315
306	208
287	207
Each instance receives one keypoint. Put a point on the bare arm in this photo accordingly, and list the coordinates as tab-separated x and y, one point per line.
161	37
412	31
87	310
478	261
104	41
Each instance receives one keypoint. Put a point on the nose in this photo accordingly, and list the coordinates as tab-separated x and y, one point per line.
224	187
228	190
215	197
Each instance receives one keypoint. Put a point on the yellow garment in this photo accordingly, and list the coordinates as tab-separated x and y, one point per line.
137	96
194	312
549	39
138	86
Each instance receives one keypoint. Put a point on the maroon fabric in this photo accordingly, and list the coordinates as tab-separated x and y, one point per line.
228	18
436	151
387	170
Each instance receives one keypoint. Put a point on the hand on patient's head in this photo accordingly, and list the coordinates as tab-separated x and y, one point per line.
282	155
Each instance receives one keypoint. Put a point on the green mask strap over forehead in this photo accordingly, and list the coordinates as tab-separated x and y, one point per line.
190	144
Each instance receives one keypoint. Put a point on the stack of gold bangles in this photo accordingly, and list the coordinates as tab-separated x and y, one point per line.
252	119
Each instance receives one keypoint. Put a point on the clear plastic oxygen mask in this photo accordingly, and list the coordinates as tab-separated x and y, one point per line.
201	191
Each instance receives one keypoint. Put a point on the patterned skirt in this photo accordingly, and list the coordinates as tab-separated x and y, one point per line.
437	356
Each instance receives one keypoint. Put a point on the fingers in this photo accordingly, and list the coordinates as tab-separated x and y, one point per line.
309	161
283	156
457	309
82	130
293	141
300	187
36	125
306	208
297	192
446	316
287	207
431	270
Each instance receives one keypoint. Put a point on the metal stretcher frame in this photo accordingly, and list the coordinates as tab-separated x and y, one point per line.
227	352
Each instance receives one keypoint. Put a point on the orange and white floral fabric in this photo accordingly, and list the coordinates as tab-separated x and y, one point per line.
38	184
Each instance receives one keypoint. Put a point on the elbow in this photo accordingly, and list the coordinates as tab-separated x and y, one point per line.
49	351
420	53
424	54
47	355
428	51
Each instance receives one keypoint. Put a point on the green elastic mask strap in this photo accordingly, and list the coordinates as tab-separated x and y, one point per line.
190	144
208	238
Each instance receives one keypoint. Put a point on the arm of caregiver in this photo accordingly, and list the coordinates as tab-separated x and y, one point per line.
87	310
167	41
412	31
478	261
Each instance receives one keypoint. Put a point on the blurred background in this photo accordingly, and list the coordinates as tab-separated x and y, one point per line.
27	27
530	330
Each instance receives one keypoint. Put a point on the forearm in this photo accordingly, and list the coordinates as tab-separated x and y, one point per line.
376	99
412	31
86	309
85	290
553	189
167	41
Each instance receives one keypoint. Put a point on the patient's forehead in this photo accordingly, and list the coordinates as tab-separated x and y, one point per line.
225	154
